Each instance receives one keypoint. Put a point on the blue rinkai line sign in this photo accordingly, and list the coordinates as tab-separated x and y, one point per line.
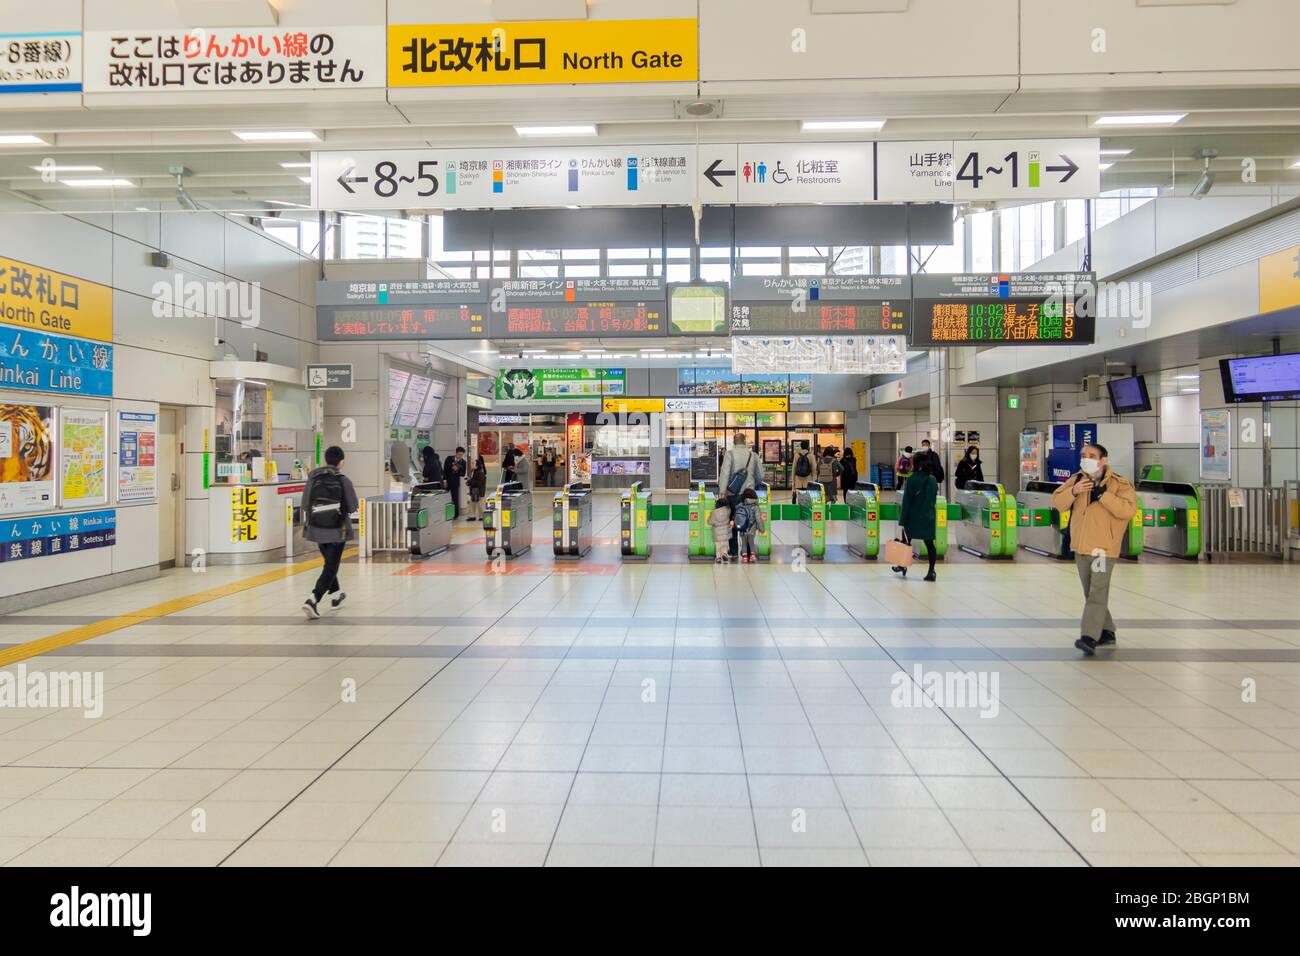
48	535
43	362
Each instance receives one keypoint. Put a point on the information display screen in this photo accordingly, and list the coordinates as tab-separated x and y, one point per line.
780	318
1129	395
1263	378
1023	309
464	321
408	412
569	319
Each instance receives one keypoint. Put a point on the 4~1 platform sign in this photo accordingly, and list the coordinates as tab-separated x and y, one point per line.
1026	169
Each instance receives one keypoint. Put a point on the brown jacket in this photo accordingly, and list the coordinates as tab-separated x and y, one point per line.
1099	524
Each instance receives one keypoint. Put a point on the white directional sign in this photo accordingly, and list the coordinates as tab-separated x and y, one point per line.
716	173
1027	169
771	173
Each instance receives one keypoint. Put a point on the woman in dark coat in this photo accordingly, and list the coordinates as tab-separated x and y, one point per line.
970	468
431	467
916	515
849	474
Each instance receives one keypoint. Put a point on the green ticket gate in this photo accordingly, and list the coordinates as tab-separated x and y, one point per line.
430	520
812	520
634	523
700	502
987	527
1040	527
571	521
763	539
1171	518
864	520
508	520
943	515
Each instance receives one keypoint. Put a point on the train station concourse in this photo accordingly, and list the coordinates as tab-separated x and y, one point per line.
711	433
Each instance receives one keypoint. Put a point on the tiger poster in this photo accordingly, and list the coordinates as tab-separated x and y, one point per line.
26	458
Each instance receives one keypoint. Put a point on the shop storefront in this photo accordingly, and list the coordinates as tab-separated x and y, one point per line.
540	437
775	436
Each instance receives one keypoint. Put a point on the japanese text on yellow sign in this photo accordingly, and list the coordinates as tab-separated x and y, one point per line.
47	301
753	404
243	514
580	51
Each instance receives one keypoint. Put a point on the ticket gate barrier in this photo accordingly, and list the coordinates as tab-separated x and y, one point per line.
864	520
813	512
987	527
430	520
1040	527
634	523
1171	518
763	539
508	520
700	502
571	521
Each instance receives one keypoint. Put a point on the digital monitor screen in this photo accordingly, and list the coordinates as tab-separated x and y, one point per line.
429	410
1032	308
830	316
1129	395
397	381
395	324
567	319
679	457
695	309
1263	378
408	413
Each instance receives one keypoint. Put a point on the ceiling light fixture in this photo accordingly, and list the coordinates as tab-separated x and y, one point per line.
1104	166
295	165
1115	152
98	183
305	179
276	135
1139	119
22	139
841	126
66	169
585	129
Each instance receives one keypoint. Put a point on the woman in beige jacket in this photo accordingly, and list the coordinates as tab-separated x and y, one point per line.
1100	504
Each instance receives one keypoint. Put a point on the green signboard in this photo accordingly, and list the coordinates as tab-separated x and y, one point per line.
559	384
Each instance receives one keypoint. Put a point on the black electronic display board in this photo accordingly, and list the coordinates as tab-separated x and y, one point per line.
464	321
820	305
1016	309
615	307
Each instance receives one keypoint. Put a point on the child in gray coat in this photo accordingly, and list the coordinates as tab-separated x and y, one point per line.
720	522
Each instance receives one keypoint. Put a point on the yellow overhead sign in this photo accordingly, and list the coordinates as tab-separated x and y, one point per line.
1279	280
562	51
47	301
620	405
753	404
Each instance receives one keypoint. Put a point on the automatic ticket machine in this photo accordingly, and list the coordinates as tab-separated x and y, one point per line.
508	520
813	509
1171	518
571	521
987	527
634	523
1042	529
430	520
864	520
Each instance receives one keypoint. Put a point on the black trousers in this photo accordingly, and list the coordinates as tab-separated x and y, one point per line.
328	582
454	487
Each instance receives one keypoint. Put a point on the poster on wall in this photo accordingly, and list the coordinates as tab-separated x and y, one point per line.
83	456
1216	444
26	458
137	456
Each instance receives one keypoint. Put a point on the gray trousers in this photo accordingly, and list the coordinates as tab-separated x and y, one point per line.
1096	595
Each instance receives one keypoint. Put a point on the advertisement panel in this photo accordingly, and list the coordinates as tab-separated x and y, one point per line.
83	456
558	384
1216	444
26	458
137	456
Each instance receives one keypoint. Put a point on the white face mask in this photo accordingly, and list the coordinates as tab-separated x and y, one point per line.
1090	466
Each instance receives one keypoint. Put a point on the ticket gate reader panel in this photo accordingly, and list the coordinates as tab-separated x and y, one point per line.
634	523
1171	518
571	521
987	527
1040	527
700	502
430	520
813	512
508	520
763	539
864	520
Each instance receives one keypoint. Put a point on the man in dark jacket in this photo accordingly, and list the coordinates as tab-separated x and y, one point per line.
328	501
453	470
929	455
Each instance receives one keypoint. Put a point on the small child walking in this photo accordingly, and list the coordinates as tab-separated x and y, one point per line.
720	522
748	521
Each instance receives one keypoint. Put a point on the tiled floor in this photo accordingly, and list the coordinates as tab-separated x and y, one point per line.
668	713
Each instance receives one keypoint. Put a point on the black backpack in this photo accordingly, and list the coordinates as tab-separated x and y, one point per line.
326	508
802	466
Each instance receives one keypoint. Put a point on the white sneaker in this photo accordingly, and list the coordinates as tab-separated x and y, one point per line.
309	608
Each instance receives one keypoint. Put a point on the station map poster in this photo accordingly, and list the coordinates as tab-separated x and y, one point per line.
137	456
83	456
1033	308
26	458
1216	444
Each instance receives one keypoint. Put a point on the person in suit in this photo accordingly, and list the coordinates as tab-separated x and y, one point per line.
453	470
916	515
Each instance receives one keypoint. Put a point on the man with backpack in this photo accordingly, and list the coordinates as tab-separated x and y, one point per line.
803	470
828	473
328	501
741	470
